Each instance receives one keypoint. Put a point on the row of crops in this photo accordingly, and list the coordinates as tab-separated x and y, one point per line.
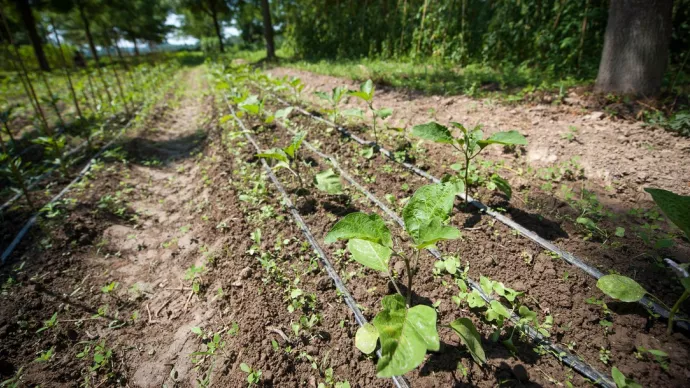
415	252
54	128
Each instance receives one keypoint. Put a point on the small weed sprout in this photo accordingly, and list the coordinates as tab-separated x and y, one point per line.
366	94
253	375
333	99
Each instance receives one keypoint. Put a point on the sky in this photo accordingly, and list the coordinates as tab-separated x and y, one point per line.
174	38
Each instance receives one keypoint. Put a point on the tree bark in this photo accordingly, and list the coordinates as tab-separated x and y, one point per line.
268	30
27	15
216	25
87	30
636	42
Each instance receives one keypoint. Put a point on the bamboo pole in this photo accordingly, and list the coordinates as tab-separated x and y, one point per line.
66	69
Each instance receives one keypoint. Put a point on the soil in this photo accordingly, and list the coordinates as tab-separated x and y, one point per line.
161	244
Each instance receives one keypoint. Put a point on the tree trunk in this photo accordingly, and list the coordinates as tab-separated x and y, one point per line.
27	15
87	30
635	52
136	47
219	33
268	30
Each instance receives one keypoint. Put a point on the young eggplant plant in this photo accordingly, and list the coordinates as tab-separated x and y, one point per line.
677	209
333	99
405	332
471	144
366	94
287	157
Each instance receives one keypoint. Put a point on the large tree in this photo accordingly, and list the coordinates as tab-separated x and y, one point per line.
268	30
635	52
216	10
27	15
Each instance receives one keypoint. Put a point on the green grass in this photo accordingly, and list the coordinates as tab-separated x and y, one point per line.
431	77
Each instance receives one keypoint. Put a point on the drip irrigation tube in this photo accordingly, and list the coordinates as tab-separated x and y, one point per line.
27	226
646	302
399	382
36	180
559	352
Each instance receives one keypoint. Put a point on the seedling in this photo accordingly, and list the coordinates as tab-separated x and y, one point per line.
287	157
471	144
406	332
333	99
52	322
622	381
677	209
253	375
366	94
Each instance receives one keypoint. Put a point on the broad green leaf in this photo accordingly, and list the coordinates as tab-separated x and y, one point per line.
622	381
329	182
496	311
433	131
470	338
427	203
367	153
362	226
383	113
245	368
359	94
527	314
621	287
405	335
502	185
620	232
197	330
283	113
504	138
366	338
225	119
275	154
291	150
486	284
337	94
675	207
251	105
435	232
366	91
370	254
475	300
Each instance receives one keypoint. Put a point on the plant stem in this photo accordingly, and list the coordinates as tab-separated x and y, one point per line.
376	137
390	276
409	281
467	182
674	310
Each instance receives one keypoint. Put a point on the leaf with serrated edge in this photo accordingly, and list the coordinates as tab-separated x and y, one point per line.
621	287
366	338
470	338
362	226
370	254
433	131
405	335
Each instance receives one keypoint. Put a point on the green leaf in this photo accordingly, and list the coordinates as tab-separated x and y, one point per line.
370	254
502	185
675	207
323	96
470	338
433	131
622	381
251	105
528	314
276	154
435	232
620	232
621	287
383	113
496	312
362	226
367	153
486	284
475	300
329	182
356	112
405	335
291	150
283	113
366	338
504	138
197	330
429	202
366	91
245	368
